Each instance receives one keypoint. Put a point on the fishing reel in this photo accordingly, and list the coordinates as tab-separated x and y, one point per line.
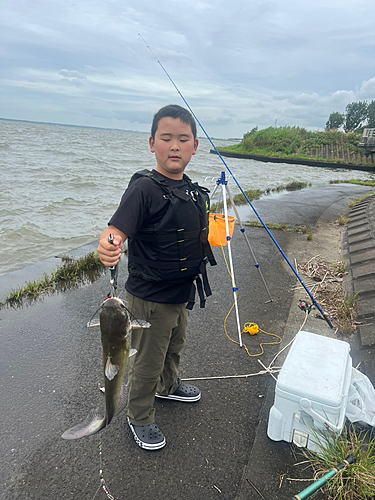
304	306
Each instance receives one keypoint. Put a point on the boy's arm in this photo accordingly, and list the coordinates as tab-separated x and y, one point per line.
109	254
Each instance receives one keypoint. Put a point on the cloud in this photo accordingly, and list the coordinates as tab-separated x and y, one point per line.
238	65
72	77
72	74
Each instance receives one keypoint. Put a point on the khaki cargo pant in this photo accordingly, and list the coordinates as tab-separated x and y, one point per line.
155	366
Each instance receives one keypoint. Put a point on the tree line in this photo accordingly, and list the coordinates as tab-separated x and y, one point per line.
357	114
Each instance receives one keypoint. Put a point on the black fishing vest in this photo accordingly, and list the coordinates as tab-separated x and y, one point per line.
176	248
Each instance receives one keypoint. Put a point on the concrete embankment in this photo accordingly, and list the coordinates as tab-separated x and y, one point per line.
359	248
311	163
270	462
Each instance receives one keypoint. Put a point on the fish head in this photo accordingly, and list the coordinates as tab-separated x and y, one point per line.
115	319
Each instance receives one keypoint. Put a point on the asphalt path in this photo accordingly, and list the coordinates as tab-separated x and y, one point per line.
51	368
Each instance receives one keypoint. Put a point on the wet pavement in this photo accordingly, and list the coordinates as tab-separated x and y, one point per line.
216	448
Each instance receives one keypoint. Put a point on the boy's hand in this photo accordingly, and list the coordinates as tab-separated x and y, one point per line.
109	253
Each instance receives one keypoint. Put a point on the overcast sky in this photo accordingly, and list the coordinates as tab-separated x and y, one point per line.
239	64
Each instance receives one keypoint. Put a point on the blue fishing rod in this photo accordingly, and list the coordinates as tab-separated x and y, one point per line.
240	188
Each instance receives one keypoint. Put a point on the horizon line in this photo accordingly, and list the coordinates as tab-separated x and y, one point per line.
103	128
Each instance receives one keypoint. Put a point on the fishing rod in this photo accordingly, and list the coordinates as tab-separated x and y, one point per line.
324	479
240	188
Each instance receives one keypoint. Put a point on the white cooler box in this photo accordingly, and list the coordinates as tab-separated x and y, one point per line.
311	391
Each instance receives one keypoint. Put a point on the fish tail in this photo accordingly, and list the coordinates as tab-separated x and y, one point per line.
91	425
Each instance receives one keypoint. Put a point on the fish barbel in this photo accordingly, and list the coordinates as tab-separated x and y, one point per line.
115	328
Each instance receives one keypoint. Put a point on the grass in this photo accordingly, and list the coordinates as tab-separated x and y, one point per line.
299	143
325	281
342	220
346	307
356	482
238	199
274	225
356	201
296	185
340	267
354	181
255	194
269	225
70	272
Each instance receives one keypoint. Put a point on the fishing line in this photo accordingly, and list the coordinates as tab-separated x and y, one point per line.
270	368
102	484
89	325
240	188
250	328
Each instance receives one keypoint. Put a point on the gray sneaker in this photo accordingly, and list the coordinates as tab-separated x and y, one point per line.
184	392
148	437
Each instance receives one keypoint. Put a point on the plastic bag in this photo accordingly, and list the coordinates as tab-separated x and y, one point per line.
361	399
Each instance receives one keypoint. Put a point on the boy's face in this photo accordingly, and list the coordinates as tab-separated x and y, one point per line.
174	145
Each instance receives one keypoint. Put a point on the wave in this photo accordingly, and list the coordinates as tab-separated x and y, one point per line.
29	244
58	182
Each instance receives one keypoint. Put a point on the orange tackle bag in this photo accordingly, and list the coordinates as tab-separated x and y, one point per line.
217	236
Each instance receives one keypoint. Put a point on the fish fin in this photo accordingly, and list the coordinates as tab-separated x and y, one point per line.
92	424
132	352
139	323
122	400
120	405
110	369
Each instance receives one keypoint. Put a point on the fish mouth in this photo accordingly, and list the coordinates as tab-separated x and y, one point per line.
117	300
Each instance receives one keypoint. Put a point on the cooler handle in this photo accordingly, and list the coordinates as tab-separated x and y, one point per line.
305	405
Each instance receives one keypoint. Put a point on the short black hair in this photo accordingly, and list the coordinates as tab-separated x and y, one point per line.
174	111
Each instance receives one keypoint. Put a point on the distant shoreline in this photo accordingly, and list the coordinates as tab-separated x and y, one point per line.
69	125
103	128
295	161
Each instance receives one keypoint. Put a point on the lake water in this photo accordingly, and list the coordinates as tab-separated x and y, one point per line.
60	185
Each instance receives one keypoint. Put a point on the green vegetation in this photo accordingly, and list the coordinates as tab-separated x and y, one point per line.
355	201
71	271
340	267
292	186
335	121
291	141
299	143
273	225
255	194
357	114
342	220
346	307
239	199
354	181
356	482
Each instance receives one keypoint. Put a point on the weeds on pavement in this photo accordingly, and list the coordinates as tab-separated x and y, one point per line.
70	272
356	482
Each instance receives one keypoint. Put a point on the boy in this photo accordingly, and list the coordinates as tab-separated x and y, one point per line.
165	217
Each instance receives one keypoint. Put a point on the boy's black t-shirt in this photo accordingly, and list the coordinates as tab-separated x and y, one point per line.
144	202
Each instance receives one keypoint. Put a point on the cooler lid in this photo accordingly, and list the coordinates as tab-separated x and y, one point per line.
316	368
